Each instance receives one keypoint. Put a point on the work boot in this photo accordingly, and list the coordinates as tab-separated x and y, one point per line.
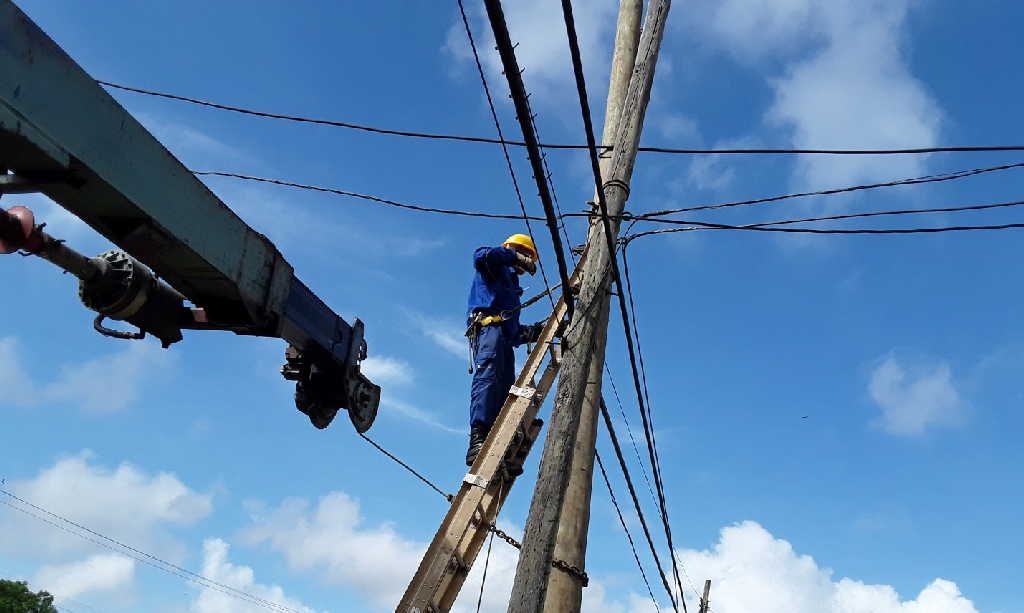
477	436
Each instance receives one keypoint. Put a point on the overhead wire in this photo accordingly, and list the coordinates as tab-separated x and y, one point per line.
102	540
504	147
625	528
350	194
520	99
636	503
581	89
935	178
704	225
841	216
403	464
569	146
643	376
652	217
629	431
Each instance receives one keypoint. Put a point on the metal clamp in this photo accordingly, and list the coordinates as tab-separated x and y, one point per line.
522	392
476	480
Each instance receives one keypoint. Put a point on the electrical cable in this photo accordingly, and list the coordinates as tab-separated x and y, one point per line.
961	209
342	192
951	176
517	89
430	484
952	209
622	520
138	555
703	225
636	502
581	89
504	147
483	580
653	216
480	139
629	431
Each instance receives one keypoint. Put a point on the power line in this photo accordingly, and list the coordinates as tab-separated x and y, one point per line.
504	149
136	554
629	431
960	174
782	222
636	502
570	146
342	192
653	217
629	536
413	471
703	225
520	99
581	89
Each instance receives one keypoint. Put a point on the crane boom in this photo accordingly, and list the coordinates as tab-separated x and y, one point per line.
63	135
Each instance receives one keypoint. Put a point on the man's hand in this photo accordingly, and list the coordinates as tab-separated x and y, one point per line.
532	332
526	263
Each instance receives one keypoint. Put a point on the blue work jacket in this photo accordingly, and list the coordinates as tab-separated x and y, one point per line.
496	287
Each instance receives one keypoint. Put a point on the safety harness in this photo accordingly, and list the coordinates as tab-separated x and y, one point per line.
476	322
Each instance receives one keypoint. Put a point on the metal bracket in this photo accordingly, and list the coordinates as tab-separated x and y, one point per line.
476	480
522	392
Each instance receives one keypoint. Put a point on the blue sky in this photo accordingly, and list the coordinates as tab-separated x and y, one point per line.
896	493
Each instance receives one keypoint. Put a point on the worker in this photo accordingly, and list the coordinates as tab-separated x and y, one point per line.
494	329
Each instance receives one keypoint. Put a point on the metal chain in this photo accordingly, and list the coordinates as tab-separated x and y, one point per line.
571	569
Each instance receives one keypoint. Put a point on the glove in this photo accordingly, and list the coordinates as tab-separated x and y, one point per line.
526	263
532	332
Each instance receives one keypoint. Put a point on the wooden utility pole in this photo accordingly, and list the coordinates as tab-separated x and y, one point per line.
705	602
580	342
565	592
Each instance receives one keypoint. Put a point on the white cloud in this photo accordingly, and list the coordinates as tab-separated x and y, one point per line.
751	570
102	572
216	566
334	540
14	379
188	143
711	172
405	409
385	370
104	384
297	222
676	128
845	79
446	334
915	396
126	503
111	382
543	50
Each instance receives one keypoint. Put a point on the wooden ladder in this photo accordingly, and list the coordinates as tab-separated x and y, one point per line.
451	554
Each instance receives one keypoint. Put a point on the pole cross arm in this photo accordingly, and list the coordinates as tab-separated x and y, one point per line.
62	133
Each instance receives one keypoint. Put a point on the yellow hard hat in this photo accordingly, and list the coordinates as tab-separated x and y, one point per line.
524	241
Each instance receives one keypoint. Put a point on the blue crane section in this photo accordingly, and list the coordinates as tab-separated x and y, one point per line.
62	135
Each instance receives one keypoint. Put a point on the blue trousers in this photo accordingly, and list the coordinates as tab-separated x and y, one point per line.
494	374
